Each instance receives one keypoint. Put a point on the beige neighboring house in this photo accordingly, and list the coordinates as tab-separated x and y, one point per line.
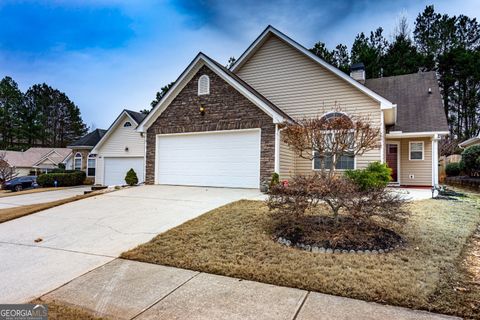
475	141
120	149
36	160
222	127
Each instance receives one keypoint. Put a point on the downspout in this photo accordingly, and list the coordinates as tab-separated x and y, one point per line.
435	159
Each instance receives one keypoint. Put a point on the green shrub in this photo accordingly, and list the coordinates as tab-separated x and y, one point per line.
471	160
275	179
376	175
131	178
453	169
63	179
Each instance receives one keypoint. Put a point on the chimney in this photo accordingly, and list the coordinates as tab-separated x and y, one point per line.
357	72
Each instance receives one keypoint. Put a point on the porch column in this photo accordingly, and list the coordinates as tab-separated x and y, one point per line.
435	160
277	150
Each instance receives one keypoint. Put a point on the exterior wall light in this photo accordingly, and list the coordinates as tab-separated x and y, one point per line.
202	110
126	149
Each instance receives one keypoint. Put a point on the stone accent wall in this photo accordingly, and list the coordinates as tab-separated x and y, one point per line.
225	109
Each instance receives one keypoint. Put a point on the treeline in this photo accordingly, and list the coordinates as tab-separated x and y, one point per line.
449	45
41	117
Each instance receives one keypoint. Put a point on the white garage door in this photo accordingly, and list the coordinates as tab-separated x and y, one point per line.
218	159
116	170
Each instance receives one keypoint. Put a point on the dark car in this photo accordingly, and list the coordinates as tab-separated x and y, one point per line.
21	183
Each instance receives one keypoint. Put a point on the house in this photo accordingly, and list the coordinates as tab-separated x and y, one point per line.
475	141
221	127
81	157
120	149
36	160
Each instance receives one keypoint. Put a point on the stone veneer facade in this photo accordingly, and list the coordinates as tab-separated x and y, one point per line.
225	109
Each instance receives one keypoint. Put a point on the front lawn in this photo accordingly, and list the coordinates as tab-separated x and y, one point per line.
428	274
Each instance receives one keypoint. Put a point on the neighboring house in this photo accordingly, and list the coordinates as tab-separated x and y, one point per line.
221	127
36	160
81	157
475	141
121	148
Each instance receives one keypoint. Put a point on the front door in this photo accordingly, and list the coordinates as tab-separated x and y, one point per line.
392	160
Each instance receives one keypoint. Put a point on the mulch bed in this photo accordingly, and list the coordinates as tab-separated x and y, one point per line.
346	234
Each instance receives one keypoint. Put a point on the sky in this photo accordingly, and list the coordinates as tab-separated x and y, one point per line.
108	55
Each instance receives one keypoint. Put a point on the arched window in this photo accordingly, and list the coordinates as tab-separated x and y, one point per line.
203	85
91	164
77	161
127	124
336	116
346	160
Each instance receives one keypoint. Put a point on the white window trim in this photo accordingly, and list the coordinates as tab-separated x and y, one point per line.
204	76
410	150
94	157
125	124
75	160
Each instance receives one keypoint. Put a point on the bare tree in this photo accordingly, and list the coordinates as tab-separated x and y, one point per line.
331	136
6	171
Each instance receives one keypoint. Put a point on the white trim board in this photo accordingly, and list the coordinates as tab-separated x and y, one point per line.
384	103
200	60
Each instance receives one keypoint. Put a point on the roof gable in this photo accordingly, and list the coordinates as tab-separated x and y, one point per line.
271	31
132	115
233	80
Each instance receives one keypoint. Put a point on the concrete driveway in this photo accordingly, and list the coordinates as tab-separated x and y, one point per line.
82	235
40	197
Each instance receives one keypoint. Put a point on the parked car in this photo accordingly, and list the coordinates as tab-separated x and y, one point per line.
21	183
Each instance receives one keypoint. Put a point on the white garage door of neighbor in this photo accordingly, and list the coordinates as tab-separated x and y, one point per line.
216	159
116	170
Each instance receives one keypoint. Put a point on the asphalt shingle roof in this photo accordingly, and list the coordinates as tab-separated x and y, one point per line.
90	139
137	116
417	110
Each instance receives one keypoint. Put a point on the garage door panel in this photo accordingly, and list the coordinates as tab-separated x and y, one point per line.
116	169
223	159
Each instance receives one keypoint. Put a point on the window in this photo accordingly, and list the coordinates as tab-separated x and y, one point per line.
91	163
77	161
203	85
416	150
127	124
347	160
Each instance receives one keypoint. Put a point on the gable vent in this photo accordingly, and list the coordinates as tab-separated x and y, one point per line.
203	85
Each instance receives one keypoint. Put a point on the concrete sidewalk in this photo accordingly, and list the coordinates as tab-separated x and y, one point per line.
124	289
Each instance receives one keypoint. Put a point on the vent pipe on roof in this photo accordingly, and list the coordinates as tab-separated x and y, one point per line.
357	72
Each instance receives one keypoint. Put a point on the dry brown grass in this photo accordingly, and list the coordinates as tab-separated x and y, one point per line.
232	241
58	311
17	212
8	193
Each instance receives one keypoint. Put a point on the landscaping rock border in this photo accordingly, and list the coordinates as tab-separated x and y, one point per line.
315	249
